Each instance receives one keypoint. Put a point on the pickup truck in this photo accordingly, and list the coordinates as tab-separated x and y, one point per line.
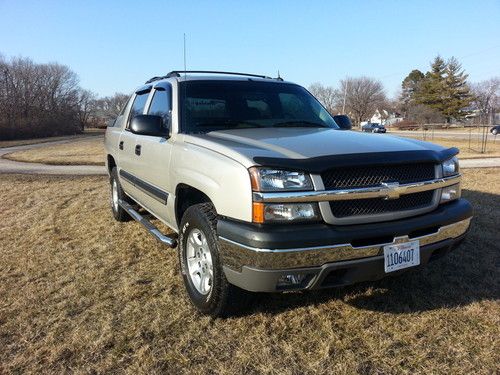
264	193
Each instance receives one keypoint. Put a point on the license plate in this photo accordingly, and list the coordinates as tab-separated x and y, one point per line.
401	255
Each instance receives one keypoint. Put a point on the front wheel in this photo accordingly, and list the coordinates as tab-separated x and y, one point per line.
204	279
117	194
494	132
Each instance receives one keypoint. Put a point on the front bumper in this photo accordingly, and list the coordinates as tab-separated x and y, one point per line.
255	257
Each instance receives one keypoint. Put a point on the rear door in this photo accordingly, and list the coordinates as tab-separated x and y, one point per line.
128	161
155	154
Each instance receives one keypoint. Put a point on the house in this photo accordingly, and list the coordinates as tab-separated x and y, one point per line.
385	117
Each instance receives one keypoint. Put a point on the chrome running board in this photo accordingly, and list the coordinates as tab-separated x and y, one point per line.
169	241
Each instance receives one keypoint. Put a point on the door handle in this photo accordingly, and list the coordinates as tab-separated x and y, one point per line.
138	149
120	145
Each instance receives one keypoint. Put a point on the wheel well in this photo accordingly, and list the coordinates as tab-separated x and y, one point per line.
111	163
185	197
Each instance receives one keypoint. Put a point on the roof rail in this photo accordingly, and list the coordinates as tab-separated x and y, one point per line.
177	73
155	79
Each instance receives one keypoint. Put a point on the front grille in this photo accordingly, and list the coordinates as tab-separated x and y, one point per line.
374	206
344	178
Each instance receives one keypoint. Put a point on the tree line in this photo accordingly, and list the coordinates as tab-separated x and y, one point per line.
442	94
42	100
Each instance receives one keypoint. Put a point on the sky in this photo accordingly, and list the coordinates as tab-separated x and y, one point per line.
114	46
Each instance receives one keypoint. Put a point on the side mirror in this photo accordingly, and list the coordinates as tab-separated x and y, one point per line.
343	121
148	125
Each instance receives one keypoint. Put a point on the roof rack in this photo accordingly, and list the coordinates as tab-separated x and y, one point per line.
177	73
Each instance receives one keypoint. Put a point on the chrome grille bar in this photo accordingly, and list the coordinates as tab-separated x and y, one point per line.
387	191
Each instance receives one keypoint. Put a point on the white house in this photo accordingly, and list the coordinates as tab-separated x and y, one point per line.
385	118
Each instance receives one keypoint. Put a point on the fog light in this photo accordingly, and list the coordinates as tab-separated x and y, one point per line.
290	280
450	193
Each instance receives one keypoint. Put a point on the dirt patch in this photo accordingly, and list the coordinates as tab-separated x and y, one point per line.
82	293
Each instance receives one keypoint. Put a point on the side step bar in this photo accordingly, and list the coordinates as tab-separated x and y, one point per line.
169	241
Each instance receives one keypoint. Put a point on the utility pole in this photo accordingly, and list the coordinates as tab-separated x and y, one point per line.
345	96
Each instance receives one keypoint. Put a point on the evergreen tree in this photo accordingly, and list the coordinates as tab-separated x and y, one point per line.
410	86
433	88
458	95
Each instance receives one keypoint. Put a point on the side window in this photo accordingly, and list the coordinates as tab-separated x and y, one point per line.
120	118
137	106
161	105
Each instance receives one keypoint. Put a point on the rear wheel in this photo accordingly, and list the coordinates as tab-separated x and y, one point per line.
117	194
494	132
201	268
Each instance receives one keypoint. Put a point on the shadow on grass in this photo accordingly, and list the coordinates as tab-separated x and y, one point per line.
469	273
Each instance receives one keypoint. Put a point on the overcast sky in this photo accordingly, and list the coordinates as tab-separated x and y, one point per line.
116	45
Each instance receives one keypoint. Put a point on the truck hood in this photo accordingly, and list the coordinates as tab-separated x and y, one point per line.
244	145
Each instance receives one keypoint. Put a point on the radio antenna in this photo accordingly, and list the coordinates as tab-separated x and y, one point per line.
185	55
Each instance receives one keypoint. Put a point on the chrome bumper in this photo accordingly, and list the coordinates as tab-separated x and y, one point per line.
235	255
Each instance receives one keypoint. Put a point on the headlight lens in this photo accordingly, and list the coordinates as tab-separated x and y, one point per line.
450	167
265	180
281	212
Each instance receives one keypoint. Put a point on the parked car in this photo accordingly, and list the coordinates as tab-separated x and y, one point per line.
373	128
495	130
264	193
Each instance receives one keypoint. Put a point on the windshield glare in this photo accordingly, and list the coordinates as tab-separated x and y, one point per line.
221	105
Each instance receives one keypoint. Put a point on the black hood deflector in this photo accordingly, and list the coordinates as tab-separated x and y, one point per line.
323	163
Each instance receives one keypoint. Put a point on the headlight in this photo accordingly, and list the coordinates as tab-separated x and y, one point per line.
281	212
450	167
265	180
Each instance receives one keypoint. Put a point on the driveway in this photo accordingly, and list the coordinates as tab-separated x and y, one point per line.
10	166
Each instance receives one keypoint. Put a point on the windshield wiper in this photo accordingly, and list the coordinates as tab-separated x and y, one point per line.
300	124
228	123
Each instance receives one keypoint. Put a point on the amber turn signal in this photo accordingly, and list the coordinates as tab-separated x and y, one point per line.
258	212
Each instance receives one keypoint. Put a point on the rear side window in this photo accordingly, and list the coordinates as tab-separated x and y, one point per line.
161	105
138	106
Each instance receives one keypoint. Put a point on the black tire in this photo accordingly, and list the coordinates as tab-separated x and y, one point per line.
223	298
118	212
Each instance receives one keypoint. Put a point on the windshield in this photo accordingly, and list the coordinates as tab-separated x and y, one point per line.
221	105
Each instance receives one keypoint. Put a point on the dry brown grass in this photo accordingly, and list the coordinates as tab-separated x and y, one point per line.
81	293
80	152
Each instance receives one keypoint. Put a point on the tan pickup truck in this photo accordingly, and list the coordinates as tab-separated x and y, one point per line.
266	194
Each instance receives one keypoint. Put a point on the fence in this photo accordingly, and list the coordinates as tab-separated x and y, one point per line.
478	137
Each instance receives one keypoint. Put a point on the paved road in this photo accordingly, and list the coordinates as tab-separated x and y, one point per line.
10	166
480	163
462	135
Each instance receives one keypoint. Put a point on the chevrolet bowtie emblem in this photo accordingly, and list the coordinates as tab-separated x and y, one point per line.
391	189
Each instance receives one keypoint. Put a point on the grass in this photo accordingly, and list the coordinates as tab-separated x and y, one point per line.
22	142
81	293
80	152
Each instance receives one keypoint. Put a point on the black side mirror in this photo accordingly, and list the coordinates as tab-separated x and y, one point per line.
343	121
148	125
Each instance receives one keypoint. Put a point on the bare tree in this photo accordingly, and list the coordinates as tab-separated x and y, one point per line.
487	96
327	95
37	99
363	96
86	107
423	114
109	107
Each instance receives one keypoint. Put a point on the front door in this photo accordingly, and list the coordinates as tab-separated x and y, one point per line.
154	160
